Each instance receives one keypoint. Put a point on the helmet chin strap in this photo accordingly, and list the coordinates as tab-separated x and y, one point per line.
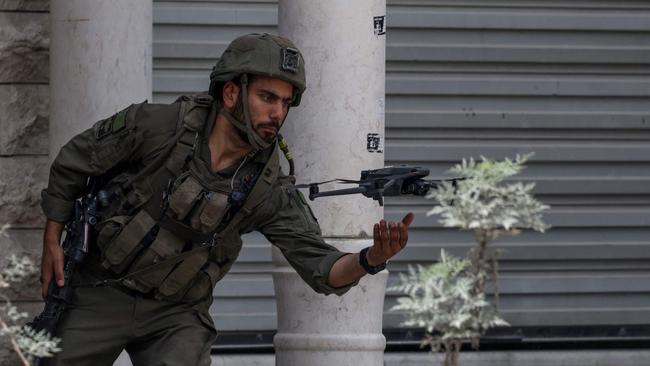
253	138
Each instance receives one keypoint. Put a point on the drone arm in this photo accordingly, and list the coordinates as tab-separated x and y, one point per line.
337	192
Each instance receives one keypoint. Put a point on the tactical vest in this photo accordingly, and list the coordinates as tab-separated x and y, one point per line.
169	218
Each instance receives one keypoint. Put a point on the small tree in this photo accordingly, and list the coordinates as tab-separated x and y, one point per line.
25	341
448	299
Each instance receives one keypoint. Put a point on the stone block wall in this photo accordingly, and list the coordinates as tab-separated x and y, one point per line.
24	109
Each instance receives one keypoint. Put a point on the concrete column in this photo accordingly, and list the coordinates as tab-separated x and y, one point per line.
341	119
100	62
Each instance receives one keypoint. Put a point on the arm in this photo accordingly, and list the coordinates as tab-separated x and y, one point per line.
90	153
86	154
286	220
288	223
389	239
108	143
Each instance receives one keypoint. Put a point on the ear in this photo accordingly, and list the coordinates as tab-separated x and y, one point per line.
230	95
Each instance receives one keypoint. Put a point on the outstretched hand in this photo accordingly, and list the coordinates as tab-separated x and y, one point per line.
389	239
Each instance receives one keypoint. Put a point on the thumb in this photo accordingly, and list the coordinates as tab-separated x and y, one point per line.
408	219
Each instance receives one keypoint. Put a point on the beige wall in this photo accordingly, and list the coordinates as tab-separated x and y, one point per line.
24	109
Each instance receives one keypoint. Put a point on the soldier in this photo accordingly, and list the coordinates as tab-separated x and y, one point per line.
181	183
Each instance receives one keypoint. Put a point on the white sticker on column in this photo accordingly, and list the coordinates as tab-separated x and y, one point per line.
381	107
375	143
379	24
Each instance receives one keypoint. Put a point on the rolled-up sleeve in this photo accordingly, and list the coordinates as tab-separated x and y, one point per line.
291	226
55	208
69	173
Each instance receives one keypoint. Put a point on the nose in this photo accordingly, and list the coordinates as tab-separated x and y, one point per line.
277	111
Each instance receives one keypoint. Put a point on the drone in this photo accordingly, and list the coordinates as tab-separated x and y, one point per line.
379	183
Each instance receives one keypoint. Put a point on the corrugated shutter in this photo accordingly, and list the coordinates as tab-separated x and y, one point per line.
568	80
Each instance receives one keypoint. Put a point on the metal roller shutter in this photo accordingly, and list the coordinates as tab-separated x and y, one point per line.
568	80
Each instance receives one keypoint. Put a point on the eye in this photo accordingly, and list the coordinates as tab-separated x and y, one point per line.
266	97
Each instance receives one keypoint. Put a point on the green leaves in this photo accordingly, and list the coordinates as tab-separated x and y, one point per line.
484	202
17	270
26	342
37	344
448	298
441	299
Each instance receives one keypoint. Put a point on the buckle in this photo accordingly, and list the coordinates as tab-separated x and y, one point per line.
203	99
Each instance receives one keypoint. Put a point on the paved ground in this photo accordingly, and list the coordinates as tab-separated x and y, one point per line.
519	358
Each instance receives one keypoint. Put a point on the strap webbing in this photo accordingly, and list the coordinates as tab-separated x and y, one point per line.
171	261
185	139
256	196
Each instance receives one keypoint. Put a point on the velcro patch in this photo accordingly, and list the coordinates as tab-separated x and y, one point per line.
103	129
290	60
111	125
119	121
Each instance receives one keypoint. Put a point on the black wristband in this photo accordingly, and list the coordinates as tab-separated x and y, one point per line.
363	261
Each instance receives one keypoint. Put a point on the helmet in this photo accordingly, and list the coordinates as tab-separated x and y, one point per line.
258	54
261	54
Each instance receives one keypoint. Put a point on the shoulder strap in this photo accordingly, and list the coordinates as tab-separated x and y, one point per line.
264	182
192	118
192	115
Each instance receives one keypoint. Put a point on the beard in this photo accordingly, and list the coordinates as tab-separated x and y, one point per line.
267	137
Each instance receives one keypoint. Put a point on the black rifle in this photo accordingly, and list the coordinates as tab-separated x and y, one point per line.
388	181
78	232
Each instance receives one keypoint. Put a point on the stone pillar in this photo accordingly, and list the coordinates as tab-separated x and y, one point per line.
341	118
100	62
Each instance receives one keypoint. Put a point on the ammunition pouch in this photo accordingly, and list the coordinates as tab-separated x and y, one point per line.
126	243
203	210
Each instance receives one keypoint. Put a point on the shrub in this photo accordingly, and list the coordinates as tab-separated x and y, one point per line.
448	299
25	341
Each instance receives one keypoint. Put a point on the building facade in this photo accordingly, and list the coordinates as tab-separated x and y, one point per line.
567	80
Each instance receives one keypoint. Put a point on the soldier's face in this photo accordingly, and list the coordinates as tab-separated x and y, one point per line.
268	102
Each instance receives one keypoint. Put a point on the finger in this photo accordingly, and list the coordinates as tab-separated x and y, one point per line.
408	219
394	239
376	235
46	277
403	234
385	238
58	268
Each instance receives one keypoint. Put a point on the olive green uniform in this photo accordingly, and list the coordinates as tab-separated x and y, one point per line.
169	327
